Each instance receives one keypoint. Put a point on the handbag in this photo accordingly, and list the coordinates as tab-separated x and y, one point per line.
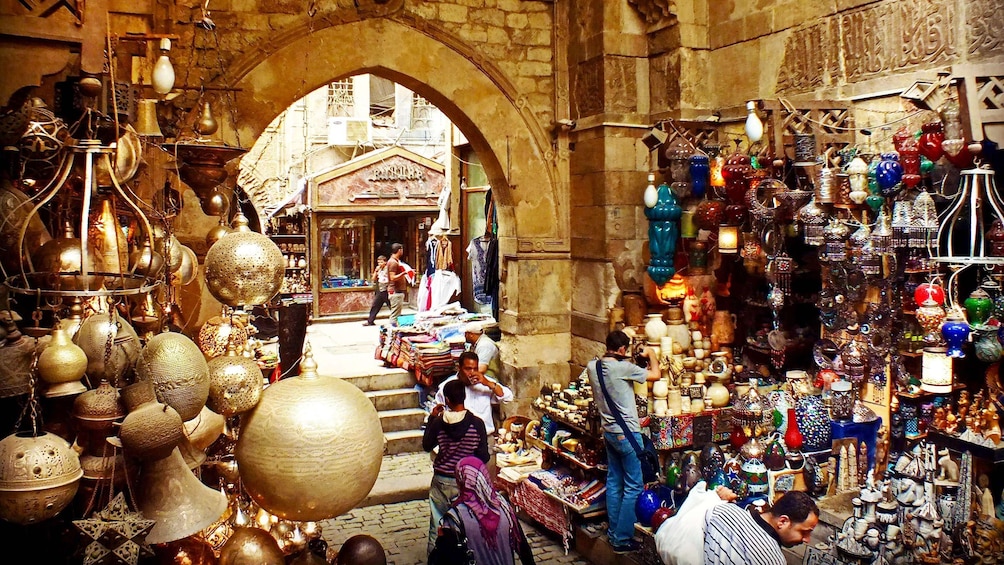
451	544
647	455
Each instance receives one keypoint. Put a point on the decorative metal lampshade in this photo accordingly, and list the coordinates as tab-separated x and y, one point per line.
963	226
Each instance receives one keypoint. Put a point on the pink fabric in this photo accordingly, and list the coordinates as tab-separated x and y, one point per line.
476	491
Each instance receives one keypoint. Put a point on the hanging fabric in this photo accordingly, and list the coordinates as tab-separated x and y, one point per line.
444	254
477	255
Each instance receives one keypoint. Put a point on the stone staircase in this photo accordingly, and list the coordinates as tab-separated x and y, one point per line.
393	394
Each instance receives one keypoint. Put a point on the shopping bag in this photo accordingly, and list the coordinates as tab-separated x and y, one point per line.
680	539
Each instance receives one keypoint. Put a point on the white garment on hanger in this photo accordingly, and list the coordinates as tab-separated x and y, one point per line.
444	285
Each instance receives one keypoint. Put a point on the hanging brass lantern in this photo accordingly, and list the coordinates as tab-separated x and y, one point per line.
244	268
235	383
111	346
38	477
218	333
62	364
312	447
178	371
64	265
15	358
251	545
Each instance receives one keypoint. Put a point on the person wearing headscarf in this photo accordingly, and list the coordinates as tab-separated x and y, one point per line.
486	518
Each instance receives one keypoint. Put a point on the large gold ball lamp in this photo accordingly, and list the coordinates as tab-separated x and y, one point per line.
218	333
178	371
61	364
111	346
312	447
251	545
235	383
244	268
38	477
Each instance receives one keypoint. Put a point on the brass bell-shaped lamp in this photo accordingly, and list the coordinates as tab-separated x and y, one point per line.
146	119
170	494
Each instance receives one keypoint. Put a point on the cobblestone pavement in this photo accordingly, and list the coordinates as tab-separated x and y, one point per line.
403	529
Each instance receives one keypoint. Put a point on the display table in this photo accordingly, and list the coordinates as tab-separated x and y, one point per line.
544	509
429	348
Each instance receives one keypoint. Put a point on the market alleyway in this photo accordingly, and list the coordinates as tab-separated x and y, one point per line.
400	517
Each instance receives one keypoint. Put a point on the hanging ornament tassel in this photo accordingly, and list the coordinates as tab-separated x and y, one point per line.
784	266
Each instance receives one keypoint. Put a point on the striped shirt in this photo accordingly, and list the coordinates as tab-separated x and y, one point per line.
732	536
465	438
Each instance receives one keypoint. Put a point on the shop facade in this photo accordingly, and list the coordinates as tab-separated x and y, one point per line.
360	209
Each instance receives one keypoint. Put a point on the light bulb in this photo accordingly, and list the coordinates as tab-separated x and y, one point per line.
754	127
163	70
651	194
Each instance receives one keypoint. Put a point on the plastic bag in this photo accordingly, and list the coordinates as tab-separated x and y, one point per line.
680	539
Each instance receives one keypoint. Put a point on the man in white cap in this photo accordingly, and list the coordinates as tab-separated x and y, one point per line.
488	353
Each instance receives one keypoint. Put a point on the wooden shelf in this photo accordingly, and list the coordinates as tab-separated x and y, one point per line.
571	458
956	444
289	236
567	424
924	393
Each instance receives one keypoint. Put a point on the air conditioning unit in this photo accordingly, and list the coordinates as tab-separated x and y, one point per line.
348	131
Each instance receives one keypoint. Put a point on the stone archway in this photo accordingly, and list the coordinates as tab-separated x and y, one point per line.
515	149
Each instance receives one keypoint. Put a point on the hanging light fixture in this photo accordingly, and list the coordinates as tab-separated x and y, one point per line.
754	127
728	239
163	70
963	226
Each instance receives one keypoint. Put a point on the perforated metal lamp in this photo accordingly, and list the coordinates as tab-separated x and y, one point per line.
936	371
728	239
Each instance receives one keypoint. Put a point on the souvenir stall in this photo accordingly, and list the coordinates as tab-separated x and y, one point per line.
362	207
856	287
125	439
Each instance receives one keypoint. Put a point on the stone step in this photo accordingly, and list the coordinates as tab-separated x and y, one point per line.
402	419
387	379
393	399
392	490
404	441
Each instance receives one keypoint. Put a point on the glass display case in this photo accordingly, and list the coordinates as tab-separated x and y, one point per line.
344	257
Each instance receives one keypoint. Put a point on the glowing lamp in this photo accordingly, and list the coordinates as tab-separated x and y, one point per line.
728	239
936	371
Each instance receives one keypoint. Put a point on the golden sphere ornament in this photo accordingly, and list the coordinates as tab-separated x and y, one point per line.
216	203
145	261
312	447
244	268
178	371
235	383
189	269
111	346
251	545
61	364
38	477
62	262
217	233
218	333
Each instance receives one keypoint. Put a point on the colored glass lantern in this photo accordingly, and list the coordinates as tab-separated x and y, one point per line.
929	144
700	174
663	232
955	330
888	173
929	291
979	305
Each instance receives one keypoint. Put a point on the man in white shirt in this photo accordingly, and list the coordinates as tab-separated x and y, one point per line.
482	392
488	353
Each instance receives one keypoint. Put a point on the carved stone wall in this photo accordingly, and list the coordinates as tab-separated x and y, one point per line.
766	49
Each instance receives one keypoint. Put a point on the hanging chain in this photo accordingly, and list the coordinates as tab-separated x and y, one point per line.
31	407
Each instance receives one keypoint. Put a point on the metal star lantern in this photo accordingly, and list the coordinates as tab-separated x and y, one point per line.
115	535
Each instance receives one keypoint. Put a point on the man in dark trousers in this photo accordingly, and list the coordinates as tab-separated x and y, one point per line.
458	433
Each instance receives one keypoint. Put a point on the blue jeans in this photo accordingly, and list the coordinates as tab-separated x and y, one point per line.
624	485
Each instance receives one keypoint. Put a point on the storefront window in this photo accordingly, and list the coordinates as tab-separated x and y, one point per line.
344	251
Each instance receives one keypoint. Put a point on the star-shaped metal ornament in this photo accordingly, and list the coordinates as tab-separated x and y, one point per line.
115	535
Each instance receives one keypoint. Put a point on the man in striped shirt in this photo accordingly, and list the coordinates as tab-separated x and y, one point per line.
733	536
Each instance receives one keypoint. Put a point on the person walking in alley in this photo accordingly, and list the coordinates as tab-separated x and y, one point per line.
397	283
458	433
380	295
486	518
624	476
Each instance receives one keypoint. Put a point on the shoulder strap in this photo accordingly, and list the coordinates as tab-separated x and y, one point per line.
613	408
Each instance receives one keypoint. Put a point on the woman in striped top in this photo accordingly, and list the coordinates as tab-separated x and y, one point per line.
734	536
459	434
